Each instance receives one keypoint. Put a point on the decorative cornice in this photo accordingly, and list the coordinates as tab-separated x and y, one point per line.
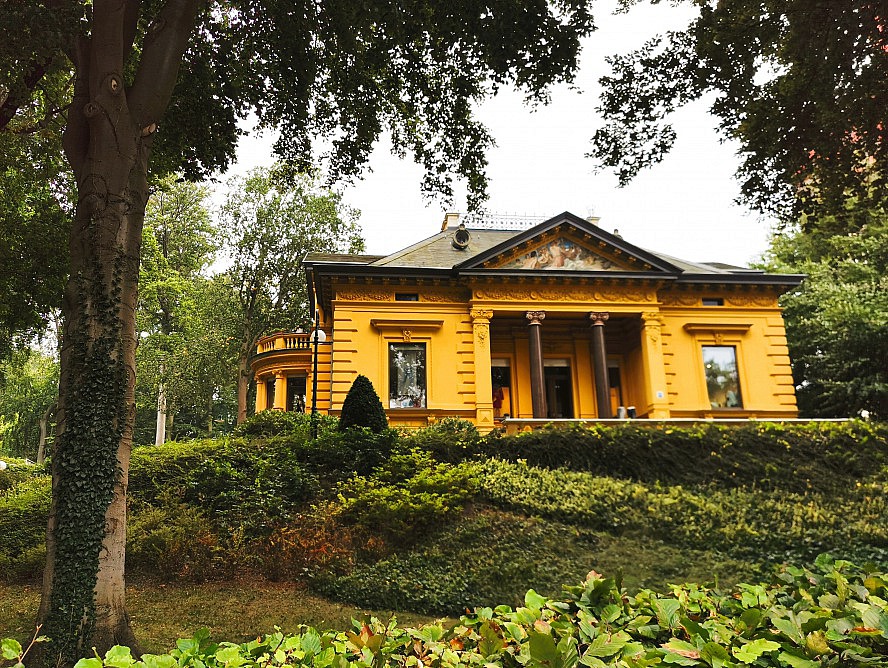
519	293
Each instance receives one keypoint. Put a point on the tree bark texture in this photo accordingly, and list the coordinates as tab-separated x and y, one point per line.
107	142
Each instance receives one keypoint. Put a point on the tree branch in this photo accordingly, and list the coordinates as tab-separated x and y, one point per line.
161	57
76	137
12	103
106	55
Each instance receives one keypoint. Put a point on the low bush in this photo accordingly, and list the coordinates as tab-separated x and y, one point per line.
798	458
240	485
760	525
177	541
24	511
407	497
484	559
832	615
448	440
270	423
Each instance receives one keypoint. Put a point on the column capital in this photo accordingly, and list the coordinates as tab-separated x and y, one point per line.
598	318
535	317
652	318
482	314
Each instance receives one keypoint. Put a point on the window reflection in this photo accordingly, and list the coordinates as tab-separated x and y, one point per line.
722	380
407	376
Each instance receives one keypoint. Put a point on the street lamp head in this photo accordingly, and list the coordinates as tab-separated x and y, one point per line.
318	336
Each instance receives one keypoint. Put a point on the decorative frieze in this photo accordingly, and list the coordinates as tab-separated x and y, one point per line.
567	294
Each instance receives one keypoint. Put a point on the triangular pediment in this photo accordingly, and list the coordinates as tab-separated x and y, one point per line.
563	252
567	243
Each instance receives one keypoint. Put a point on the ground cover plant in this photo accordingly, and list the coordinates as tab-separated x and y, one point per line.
832	614
440	520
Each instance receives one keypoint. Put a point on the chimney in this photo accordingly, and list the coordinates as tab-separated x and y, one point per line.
451	219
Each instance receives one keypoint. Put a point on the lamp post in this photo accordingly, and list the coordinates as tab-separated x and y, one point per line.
317	336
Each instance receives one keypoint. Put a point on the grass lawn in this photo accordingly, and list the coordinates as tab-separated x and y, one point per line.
234	611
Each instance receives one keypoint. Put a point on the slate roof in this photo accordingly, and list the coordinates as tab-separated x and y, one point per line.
437	254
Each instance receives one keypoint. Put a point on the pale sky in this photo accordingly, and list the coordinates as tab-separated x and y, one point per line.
682	207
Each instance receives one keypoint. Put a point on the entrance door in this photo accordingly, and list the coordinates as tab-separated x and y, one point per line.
559	389
501	383
296	394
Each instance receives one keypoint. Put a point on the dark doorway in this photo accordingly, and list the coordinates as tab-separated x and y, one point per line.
296	394
559	392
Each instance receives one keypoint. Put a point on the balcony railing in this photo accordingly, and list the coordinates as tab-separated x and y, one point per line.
284	341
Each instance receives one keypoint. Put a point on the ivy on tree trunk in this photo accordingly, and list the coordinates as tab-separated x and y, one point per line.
107	142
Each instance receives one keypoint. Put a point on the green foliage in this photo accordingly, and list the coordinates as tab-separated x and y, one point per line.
448	440
24	510
177	540
244	487
29	388
755	524
837	320
826	458
270	423
362	407
779	77
831	614
485	559
407	497
183	351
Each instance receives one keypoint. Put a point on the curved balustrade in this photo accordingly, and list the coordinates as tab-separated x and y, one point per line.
284	341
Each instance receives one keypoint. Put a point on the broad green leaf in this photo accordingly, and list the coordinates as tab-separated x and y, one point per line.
119	657
667	612
534	600
610	613
788	628
603	647
567	652
311	642
542	648
92	662
816	643
714	654
231	656
797	661
754	649
491	642
12	649
159	661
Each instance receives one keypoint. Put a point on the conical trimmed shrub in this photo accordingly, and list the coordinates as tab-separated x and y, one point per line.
362	407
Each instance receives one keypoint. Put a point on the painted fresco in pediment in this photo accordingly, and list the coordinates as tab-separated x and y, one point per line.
564	255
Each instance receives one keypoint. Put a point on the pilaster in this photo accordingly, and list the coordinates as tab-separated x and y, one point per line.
654	365
483	386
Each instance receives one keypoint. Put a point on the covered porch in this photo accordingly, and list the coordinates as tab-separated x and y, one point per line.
563	364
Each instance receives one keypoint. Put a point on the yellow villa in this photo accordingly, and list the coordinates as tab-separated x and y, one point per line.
494	321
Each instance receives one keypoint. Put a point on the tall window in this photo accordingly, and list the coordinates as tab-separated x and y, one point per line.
407	375
722	380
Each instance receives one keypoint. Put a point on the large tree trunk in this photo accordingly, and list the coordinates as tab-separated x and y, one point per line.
107	142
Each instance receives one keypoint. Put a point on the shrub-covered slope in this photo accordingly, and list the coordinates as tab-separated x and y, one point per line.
441	519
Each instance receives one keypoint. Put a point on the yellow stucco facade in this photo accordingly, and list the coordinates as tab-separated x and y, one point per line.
560	320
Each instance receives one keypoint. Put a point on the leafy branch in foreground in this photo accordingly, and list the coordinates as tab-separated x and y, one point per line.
833	613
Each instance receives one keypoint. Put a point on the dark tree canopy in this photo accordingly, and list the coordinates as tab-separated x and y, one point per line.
801	84
340	72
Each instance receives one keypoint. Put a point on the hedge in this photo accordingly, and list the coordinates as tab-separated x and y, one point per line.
822	456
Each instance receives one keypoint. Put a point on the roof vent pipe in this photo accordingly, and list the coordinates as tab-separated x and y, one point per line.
460	238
